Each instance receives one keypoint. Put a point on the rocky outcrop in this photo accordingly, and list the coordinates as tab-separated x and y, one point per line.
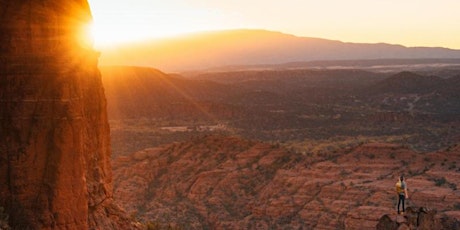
55	168
219	182
417	218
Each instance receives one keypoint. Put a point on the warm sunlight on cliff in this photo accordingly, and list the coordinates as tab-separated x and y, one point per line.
85	35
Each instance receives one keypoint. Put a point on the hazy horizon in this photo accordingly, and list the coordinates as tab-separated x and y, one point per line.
412	23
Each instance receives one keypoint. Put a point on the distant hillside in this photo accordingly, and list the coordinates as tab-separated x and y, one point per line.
424	94
408	82
280	105
256	47
134	92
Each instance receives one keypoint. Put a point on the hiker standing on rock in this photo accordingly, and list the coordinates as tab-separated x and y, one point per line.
401	190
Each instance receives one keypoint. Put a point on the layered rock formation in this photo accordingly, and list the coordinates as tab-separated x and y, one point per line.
55	168
417	218
230	183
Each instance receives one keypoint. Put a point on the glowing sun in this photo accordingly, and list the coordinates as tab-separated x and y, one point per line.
116	22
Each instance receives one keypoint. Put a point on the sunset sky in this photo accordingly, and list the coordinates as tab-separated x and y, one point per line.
406	22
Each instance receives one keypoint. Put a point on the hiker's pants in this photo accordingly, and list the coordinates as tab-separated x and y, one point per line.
401	201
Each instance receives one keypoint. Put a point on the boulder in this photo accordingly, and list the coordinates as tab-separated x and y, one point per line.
415	218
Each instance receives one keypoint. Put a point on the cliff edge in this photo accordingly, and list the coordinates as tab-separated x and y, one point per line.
55	168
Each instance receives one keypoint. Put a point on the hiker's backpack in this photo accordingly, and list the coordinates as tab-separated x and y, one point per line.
399	187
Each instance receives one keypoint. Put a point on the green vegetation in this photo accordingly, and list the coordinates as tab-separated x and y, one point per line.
453	165
440	181
344	173
392	155
457	206
443	181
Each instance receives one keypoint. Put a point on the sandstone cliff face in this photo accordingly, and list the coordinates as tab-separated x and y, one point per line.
54	136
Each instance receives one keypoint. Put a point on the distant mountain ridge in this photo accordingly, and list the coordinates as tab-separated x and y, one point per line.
256	47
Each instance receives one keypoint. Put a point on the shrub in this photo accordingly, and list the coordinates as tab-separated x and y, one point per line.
344	173
440	181
457	206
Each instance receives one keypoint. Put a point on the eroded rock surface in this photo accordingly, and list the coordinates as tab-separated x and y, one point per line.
230	183
418	218
55	168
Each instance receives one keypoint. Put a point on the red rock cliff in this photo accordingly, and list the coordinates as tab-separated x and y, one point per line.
54	136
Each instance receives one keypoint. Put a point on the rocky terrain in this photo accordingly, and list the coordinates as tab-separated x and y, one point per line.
224	182
55	168
55	153
313	161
